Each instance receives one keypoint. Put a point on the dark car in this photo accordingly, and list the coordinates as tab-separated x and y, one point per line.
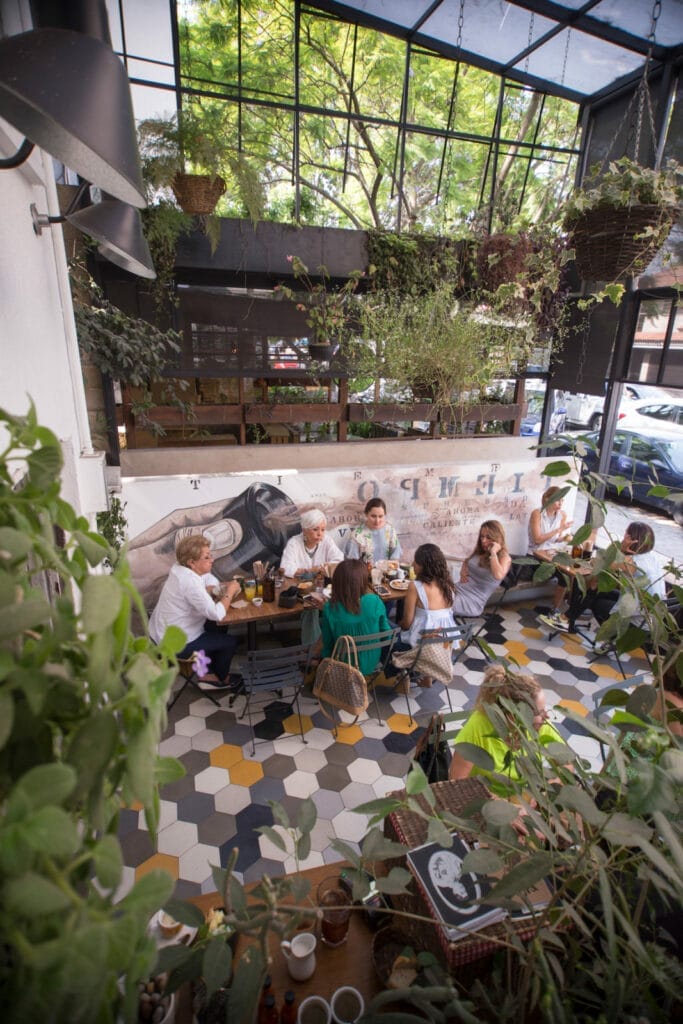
638	463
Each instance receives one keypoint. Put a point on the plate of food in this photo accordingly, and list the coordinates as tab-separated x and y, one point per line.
399	584
166	931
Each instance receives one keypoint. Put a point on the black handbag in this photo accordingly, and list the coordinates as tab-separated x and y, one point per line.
432	752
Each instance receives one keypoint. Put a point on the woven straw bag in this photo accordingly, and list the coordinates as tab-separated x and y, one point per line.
339	681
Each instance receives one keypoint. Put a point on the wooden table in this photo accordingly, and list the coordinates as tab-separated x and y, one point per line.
349	964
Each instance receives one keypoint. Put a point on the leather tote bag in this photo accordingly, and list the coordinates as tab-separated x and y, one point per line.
339	682
432	752
431	659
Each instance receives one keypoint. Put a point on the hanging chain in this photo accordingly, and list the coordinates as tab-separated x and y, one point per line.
461	22
529	42
644	92
566	55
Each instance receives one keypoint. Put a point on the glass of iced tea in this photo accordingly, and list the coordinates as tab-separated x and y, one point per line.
250	589
335	904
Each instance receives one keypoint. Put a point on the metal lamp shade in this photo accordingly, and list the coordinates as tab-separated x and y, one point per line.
118	229
68	93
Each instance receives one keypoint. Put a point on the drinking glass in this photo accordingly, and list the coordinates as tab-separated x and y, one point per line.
335	904
250	589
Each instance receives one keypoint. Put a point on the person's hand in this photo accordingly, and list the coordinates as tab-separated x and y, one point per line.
232	589
495	548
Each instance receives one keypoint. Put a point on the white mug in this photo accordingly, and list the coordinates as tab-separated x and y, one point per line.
347	1006
300	955
314	1010
400	574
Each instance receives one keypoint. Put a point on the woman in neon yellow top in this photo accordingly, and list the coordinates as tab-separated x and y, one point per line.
480	731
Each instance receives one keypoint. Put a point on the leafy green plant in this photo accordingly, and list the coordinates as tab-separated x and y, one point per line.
189	140
326	310
125	348
625	183
82	709
112	525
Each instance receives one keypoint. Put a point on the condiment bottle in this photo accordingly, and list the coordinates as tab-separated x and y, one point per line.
267	1013
288	1012
266	991
269	587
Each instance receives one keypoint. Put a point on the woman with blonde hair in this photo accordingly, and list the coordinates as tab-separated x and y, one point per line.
483	571
479	729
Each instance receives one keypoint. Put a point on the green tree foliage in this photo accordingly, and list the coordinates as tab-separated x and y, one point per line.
354	159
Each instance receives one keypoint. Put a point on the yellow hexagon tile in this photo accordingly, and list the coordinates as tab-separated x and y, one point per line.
246	773
573	705
349	734
517	650
401	723
532	633
291	724
225	756
158	861
606	671
573	646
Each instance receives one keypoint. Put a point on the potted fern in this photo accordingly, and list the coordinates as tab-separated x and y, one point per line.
620	218
326	310
185	152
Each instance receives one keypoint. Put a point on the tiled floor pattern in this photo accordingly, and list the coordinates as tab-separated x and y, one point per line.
225	794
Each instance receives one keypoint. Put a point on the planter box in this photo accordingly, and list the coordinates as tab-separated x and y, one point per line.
200	416
392	413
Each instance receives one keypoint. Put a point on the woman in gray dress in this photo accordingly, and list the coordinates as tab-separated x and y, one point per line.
483	571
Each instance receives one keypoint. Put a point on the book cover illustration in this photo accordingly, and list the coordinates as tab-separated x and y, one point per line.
457	897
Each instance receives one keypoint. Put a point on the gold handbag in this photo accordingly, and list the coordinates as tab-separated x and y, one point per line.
339	682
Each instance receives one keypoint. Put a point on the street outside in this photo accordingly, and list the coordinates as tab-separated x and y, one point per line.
668	535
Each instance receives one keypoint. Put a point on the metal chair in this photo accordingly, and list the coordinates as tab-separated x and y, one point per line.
276	671
445	635
382	642
187	670
609	648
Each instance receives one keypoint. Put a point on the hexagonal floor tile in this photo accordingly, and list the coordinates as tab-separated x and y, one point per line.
226	755
211	780
301	784
232	799
246	773
365	771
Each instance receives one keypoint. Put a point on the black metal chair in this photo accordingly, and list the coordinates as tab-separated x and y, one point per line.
383	643
190	678
276	671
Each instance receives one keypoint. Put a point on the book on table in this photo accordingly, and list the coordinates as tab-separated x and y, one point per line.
457	897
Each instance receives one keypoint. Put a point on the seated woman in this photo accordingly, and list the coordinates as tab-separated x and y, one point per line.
548	527
376	539
353	610
428	600
488	564
639	563
479	729
185	602
309	550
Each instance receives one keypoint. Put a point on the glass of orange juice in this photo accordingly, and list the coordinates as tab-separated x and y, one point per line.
250	589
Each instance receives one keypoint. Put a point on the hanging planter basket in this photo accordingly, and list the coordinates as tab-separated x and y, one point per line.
198	193
322	351
616	241
501	259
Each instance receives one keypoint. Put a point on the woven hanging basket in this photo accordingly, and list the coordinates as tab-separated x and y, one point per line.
198	193
614	241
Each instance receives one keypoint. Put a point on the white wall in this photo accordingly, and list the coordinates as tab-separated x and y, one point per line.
38	348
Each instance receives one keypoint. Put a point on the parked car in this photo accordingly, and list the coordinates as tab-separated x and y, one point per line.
646	415
531	424
586	410
638	462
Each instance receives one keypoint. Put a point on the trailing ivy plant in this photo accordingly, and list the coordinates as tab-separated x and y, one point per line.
82	709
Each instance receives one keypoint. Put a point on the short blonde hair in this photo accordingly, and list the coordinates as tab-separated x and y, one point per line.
190	548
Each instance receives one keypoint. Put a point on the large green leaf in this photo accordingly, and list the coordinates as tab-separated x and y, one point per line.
32	895
15	543
101	599
44	466
47	784
217	964
6	716
92	748
51	830
573	798
523	876
149	893
17	618
108	861
307	815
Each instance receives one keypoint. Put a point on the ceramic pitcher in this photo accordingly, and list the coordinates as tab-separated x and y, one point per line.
300	955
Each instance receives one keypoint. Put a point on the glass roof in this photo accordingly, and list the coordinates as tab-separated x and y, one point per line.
572	48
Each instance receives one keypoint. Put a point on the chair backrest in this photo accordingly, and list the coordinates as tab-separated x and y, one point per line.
284	666
444	635
382	642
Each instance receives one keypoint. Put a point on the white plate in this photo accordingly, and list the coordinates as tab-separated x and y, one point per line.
399	584
185	934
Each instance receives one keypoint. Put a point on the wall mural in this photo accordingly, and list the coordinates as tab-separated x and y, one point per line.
251	516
